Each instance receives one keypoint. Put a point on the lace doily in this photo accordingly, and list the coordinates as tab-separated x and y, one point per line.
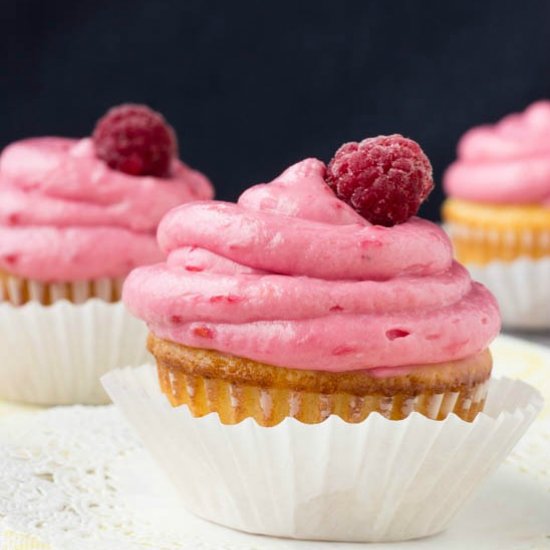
59	480
78	478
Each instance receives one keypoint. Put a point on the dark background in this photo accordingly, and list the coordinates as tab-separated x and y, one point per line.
254	86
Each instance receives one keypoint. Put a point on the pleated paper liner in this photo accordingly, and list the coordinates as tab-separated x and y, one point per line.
19	291
482	246
56	354
522	288
486	233
519	283
237	388
376	480
269	406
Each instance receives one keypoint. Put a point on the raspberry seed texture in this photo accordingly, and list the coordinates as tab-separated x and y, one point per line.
385	178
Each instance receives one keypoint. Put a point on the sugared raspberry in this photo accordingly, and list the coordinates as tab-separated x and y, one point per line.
135	140
385	178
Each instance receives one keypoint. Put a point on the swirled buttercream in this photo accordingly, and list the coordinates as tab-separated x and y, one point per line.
506	163
294	277
66	216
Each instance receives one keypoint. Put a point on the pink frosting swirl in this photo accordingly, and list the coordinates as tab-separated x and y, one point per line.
294	277
66	216
508	163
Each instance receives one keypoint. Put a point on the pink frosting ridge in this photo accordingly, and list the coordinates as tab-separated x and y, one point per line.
66	216
293	277
506	163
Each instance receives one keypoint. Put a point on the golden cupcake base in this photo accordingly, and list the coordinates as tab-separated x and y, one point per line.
237	388
483	233
18	291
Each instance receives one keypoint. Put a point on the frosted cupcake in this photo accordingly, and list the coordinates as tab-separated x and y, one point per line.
312	343
498	212
318	294
76	216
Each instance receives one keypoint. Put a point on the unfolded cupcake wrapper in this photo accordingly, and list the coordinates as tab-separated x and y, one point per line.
55	355
378	480
521	286
18	291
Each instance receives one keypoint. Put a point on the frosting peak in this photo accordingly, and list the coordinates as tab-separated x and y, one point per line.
65	215
292	276
505	163
301	192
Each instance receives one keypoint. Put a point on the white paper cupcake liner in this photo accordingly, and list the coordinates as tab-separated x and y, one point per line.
522	288
528	240
55	355
80	291
379	480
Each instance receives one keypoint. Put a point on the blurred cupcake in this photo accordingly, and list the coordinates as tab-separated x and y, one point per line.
76	216
332	337
498	212
307	301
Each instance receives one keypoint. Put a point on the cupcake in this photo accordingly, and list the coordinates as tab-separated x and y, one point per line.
76	216
498	212
322	360
318	294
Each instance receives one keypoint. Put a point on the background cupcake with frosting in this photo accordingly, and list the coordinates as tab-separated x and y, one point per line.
323	360
498	212
76	216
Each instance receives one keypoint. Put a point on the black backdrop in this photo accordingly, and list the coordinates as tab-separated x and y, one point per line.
252	86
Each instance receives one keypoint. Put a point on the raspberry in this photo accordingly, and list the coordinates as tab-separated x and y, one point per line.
385	178
135	140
